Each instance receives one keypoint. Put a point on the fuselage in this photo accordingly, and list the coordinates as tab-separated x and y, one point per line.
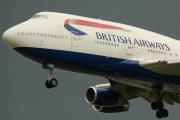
93	46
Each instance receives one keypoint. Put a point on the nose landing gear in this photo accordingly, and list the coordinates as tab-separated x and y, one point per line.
50	82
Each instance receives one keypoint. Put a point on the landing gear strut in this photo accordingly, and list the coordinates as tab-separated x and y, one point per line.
159	106
50	82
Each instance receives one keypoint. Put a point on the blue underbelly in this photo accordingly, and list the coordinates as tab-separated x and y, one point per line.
95	64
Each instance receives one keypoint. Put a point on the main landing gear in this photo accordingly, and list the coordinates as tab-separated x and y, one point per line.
50	82
159	106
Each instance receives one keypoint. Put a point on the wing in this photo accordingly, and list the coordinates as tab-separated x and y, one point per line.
113	97
150	95
169	66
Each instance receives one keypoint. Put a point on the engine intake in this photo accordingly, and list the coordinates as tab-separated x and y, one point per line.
103	97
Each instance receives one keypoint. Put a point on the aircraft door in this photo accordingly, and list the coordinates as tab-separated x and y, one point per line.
129	51
74	39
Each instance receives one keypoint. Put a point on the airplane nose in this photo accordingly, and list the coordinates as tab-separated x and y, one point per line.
9	37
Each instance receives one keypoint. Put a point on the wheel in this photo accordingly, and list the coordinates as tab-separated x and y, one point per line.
154	105
160	105
165	113
159	114
47	84
53	82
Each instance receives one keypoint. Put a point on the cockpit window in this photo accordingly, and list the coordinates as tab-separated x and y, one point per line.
40	16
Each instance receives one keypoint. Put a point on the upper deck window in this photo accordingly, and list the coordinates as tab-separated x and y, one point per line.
40	16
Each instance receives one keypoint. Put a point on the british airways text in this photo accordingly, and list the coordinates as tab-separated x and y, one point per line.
127	40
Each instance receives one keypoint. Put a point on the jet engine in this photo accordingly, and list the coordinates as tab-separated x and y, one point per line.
103	97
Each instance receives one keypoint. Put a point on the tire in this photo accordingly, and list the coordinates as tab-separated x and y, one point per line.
159	114
53	82
154	105
165	113
47	84
160	105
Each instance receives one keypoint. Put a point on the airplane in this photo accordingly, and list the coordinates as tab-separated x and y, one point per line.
137	62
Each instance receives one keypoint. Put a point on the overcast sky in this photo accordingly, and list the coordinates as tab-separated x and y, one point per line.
23	95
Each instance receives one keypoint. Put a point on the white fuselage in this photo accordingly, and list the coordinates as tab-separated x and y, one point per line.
136	42
92	46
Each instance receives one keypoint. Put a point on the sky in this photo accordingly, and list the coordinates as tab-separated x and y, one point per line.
23	95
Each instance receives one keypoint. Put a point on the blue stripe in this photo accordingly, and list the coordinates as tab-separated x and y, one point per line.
74	30
94	64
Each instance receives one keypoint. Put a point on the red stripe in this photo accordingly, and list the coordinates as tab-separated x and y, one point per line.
90	24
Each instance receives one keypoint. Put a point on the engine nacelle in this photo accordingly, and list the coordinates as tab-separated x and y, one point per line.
103	97
122	108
